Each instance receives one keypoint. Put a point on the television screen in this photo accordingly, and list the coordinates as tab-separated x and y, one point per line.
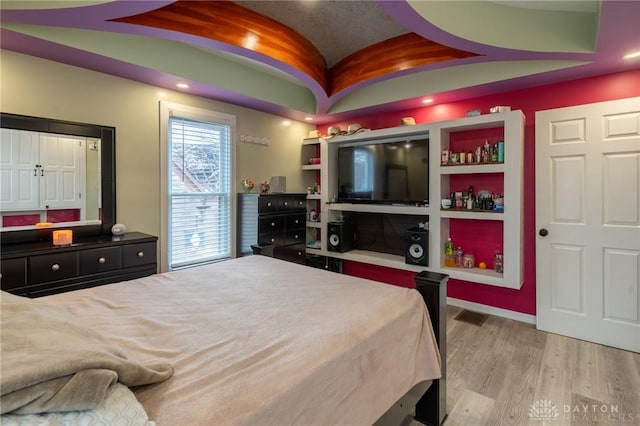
384	172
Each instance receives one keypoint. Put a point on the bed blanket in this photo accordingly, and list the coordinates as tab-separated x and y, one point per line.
51	362
258	341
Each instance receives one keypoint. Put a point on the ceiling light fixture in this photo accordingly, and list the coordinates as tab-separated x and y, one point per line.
308	119
286	123
182	85
427	100
250	41
632	55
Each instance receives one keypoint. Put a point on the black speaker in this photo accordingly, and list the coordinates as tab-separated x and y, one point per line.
341	236
416	246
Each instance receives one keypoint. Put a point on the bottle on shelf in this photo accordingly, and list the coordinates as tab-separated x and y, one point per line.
459	257
449	255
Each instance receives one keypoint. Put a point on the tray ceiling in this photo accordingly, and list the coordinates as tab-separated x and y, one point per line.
328	59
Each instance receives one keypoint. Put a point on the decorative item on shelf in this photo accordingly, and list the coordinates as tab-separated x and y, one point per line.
118	229
459	257
314	134
468	260
62	237
407	121
265	187
449	253
498	262
446	203
278	184
44	225
313	216
248	185
314	160
499	108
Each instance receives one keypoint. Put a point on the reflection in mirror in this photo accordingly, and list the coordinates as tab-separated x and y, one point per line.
55	174
48	178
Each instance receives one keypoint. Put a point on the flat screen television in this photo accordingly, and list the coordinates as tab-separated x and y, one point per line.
390	172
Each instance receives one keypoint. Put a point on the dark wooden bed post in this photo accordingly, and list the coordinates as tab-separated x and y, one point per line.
431	409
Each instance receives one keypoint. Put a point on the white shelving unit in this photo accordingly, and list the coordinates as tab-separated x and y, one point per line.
510	171
440	220
314	148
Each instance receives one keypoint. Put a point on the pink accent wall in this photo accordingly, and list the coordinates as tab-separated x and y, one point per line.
576	92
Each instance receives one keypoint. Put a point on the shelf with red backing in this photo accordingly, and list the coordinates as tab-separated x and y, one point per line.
478	231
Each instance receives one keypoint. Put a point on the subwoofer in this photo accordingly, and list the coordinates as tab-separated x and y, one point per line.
340	236
416	246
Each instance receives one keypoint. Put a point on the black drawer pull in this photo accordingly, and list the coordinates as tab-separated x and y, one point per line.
55	267
102	260
140	254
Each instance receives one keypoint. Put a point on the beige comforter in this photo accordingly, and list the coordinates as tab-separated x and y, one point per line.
259	341
51	362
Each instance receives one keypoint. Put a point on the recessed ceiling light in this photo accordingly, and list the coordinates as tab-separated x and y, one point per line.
286	122
308	118
182	85
632	55
427	100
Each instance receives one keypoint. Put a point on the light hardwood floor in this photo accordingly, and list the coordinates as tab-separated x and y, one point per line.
499	371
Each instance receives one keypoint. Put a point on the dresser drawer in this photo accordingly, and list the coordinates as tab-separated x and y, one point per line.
270	224
276	238
138	254
295	236
52	267
100	260
267	204
296	221
294	253
14	273
291	204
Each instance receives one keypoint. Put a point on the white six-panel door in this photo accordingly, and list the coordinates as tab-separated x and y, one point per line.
588	222
19	154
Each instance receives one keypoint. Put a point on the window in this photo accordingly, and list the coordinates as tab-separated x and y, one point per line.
198	182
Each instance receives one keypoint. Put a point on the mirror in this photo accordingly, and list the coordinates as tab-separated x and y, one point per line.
74	185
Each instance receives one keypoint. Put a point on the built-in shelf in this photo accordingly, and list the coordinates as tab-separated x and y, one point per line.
477	275
472	214
379	259
379	208
442	180
472	168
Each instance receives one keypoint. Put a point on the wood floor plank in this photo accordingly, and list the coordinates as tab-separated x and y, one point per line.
510	366
471	409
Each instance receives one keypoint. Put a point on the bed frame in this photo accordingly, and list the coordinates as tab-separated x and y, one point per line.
431	409
426	401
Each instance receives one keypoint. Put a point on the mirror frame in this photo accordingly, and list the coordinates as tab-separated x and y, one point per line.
107	135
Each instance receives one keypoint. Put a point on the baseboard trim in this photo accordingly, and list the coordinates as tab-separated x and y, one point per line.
492	310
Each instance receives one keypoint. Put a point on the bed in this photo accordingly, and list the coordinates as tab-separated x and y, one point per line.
260	341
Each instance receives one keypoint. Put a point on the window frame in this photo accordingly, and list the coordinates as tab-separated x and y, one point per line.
167	109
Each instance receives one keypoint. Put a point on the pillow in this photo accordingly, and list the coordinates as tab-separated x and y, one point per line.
120	407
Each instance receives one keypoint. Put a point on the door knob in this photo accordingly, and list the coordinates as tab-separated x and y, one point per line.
543	232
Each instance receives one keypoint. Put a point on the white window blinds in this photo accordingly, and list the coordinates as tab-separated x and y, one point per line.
199	191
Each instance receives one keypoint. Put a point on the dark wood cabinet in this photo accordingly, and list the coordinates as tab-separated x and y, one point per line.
276	220
40	269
